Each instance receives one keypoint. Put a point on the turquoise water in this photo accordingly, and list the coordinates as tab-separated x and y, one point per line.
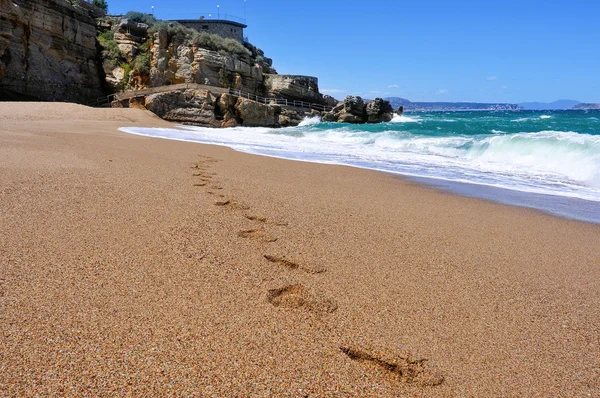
547	160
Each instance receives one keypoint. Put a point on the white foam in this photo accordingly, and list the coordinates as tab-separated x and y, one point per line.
550	162
545	117
310	121
404	119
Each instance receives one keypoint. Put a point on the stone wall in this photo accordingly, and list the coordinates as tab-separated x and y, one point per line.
48	51
227	29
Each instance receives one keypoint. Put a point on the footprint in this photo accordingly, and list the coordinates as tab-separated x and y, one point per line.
292	264
230	203
404	368
201	184
264	220
255	218
299	297
257	234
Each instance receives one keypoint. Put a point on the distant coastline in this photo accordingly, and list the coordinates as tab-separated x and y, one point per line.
410	106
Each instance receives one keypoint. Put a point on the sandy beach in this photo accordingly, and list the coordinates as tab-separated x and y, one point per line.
148	267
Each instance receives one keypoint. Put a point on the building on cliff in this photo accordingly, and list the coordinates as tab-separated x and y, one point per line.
223	27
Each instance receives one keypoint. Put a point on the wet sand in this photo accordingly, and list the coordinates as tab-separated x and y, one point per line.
139	266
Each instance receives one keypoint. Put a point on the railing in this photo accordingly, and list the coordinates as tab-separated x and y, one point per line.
212	16
184	86
280	101
102	101
162	89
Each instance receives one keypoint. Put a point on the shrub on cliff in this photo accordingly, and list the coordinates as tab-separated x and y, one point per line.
141	17
173	29
217	43
141	63
111	53
101	4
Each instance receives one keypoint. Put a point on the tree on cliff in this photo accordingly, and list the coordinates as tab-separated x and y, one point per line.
101	3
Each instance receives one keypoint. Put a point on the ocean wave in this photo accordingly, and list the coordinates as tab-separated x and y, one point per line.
310	121
553	162
404	119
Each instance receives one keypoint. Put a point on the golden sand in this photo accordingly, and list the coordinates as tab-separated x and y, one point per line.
139	266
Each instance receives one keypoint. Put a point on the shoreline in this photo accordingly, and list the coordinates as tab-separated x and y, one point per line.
140	266
562	206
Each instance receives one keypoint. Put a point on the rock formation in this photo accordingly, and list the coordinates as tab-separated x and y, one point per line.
355	110
379	110
48	51
294	87
212	109
129	36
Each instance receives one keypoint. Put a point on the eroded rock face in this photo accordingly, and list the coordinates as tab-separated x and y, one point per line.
294	87
204	108
48	51
129	35
254	114
379	110
195	107
354	110
174	61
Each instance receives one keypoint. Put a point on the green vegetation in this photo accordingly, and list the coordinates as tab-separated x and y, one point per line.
177	35
141	17
141	63
101	4
110	49
126	72
173	29
217	43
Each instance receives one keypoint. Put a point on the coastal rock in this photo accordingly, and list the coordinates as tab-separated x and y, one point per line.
47	48
354	110
328	100
346	117
294	87
354	105
289	117
255	114
379	110
195	107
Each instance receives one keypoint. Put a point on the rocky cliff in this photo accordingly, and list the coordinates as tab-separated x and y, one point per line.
176	54
48	51
213	107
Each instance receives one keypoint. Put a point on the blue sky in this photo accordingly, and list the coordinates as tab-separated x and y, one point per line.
425	50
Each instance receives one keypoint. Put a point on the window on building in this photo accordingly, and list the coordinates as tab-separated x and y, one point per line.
205	27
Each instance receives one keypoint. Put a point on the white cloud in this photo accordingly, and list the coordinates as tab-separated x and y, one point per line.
393	86
331	91
492	78
442	91
504	87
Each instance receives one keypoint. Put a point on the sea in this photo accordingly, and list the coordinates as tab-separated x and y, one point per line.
545	160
